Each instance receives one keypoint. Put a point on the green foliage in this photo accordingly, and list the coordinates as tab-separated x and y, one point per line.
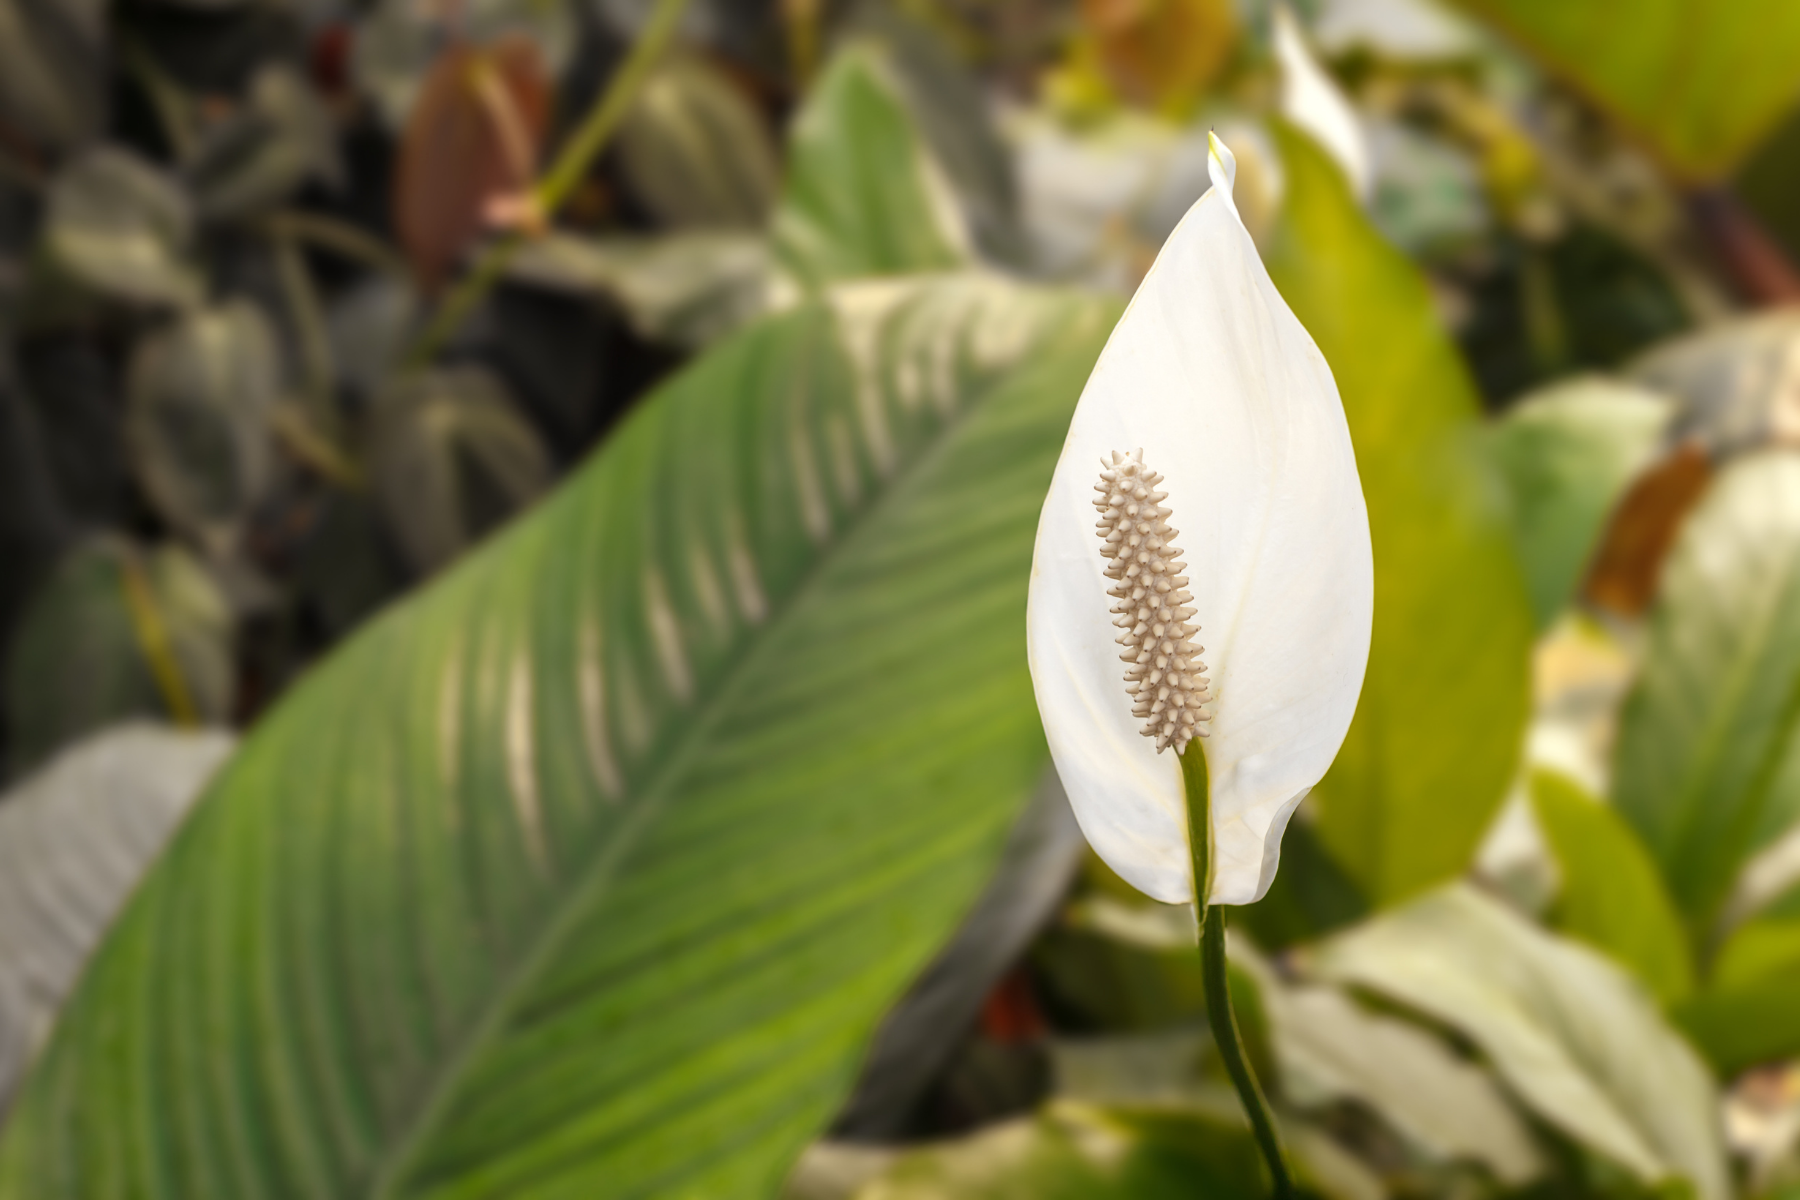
1697	82
119	229
51	59
1124	967
1567	453
201	394
1331	1050
864	195
1437	731
453	459
590	869
684	289
116	632
1079	1152
1576	1040
75	837
1747	1013
1611	898
696	152
279	139
1708	757
588	863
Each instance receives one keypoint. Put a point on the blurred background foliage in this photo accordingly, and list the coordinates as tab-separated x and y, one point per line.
655	401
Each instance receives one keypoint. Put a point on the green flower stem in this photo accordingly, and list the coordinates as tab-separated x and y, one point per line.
1214	979
556	184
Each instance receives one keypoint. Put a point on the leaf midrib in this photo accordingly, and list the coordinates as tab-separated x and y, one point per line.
1739	680
682	755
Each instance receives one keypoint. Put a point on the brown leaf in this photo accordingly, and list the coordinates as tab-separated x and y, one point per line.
1161	53
1625	572
474	136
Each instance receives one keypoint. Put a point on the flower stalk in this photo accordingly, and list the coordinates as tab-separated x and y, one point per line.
1215	980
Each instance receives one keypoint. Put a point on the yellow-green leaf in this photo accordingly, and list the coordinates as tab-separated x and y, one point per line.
1698	82
1612	898
1438	728
863	196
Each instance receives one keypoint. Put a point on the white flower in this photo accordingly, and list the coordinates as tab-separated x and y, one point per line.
1232	404
1312	100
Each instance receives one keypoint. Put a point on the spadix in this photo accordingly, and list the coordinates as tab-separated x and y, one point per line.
1215	379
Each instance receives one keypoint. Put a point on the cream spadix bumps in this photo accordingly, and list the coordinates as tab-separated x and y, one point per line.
1215	379
1163	670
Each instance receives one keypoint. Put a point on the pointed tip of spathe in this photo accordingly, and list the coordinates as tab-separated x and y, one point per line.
1221	163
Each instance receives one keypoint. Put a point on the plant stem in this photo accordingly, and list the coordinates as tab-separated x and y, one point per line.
153	640
555	186
1231	1049
1214	979
339	237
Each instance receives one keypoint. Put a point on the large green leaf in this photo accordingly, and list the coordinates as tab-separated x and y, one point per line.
1330	1049
1747	1013
1611	897
1700	83
1708	762
589	870
1573	1036
1567	454
864	196
1438	729
75	838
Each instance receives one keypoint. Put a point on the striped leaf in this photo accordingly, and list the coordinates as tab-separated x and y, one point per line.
589	870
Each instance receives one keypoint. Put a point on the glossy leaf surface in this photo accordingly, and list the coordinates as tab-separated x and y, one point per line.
201	397
1331	1049
1566	454
1699	83
1746	1014
75	838
864	196
1708	757
586	871
1574	1038
695	151
1612	897
1438	728
452	459
120	229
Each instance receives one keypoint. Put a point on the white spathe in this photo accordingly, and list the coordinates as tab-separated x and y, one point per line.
1312	100
1215	378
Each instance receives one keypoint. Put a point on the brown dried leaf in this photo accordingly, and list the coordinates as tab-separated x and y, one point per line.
1625	572
473	138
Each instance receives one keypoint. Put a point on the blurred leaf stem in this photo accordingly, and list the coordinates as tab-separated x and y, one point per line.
338	237
302	300
801	18
555	186
153	639
1215	979
174	110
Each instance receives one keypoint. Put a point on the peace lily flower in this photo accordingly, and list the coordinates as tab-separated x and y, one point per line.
1210	433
